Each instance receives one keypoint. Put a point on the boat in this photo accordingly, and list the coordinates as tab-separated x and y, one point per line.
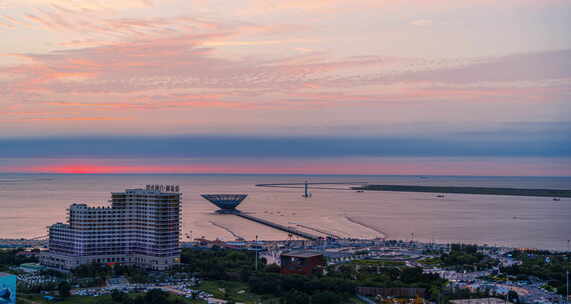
359	191
440	195
556	199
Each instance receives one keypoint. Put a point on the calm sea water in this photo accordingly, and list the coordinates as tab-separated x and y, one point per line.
30	202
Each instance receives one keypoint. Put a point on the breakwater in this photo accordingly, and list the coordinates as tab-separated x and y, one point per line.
555	193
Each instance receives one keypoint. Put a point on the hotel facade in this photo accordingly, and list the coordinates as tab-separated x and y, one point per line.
141	227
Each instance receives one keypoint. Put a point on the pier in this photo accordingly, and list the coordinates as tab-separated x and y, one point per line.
293	231
317	185
228	203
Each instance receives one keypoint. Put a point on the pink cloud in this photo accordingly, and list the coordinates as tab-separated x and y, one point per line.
140	65
82	6
132	59
153	103
327	6
135	77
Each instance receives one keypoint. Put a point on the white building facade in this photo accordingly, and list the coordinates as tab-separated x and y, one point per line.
142	228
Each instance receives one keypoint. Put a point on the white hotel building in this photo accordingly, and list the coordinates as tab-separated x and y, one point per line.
142	227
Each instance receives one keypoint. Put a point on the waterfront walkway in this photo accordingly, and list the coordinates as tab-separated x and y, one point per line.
291	230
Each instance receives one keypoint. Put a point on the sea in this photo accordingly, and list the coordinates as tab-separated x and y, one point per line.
29	203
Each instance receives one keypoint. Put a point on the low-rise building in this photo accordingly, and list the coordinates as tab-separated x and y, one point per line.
302	262
31	267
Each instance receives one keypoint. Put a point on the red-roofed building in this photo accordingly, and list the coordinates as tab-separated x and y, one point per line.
302	262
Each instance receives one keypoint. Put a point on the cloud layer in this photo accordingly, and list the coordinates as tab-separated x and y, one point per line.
408	78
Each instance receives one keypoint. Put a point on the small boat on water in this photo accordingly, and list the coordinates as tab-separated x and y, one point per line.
359	191
440	195
556	199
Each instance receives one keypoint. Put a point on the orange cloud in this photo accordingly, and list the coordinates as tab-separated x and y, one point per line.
73	118
6	25
98	27
154	102
79	6
13	21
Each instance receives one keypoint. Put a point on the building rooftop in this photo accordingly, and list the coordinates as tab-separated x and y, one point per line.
302	254
153	189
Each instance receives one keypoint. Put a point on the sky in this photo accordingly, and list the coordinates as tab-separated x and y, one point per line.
444	87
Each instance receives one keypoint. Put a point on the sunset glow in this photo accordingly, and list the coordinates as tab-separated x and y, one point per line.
343	166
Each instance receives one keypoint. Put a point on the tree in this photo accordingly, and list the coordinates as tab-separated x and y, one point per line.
513	296
156	296
64	289
325	297
272	268
265	283
119	297
194	294
296	297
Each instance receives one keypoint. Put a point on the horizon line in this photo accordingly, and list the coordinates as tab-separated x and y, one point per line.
288	174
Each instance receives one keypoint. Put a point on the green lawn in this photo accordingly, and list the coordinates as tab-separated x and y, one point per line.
70	300
356	300
379	262
230	290
431	261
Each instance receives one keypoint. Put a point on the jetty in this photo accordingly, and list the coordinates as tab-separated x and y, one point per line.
291	230
228	203
317	185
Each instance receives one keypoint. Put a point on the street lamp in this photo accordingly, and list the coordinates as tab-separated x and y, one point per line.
256	253
567	287
567	274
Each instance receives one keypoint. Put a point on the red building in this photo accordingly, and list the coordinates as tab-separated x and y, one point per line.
302	262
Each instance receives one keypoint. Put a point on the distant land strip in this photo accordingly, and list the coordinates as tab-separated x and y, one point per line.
555	193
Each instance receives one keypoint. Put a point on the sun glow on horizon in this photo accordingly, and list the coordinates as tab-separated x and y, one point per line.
333	166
